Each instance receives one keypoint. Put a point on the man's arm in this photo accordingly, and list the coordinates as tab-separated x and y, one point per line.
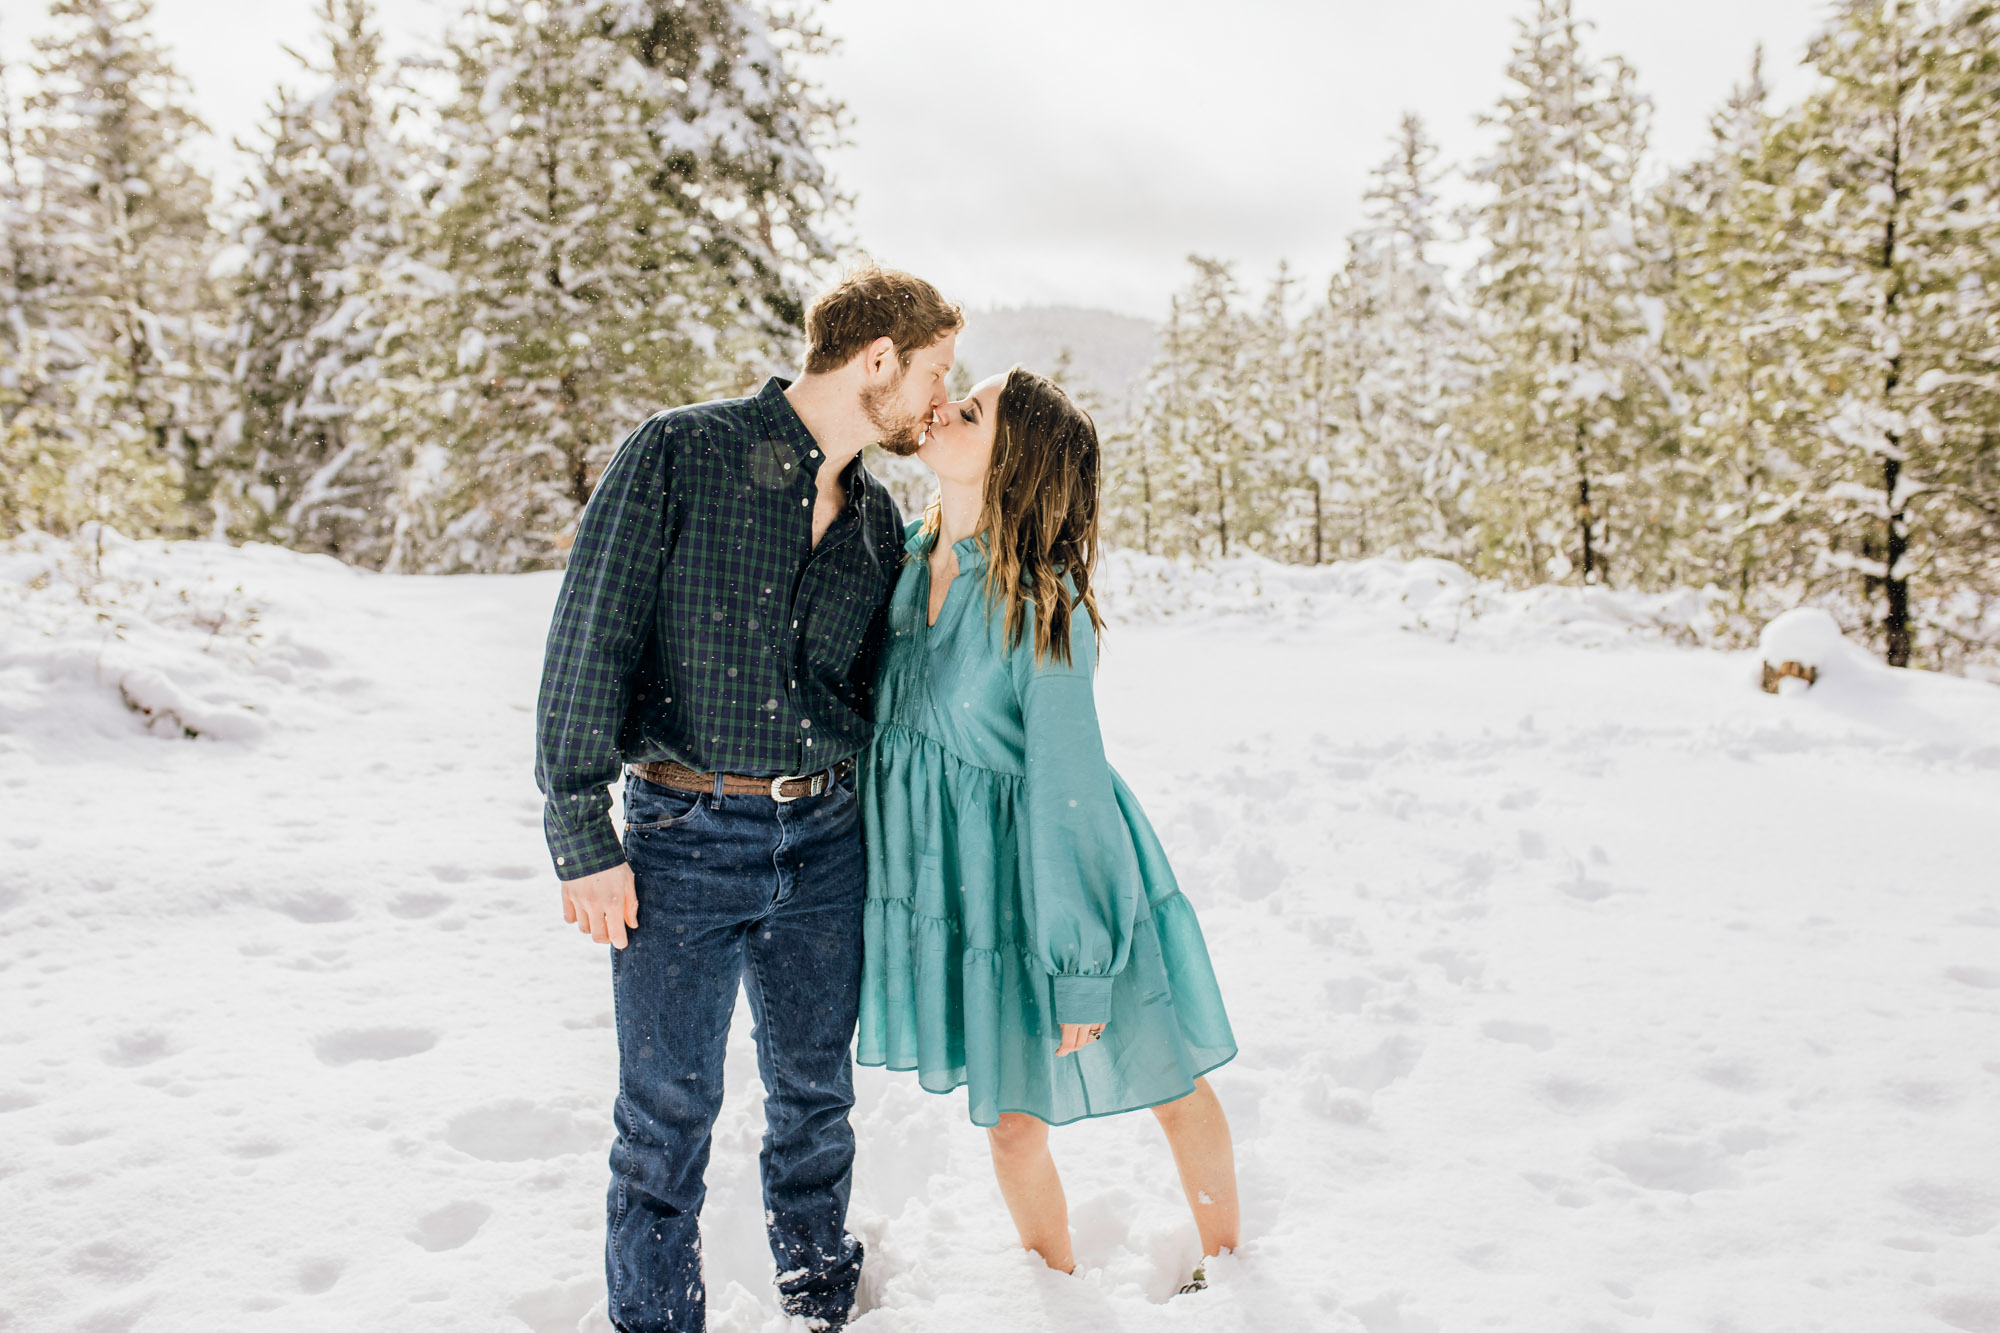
602	618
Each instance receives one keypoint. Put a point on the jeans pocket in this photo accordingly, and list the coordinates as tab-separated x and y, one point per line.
651	808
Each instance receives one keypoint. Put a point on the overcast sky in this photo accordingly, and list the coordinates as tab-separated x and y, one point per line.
1075	151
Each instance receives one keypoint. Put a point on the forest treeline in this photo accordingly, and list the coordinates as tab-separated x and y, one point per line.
451	284
1774	371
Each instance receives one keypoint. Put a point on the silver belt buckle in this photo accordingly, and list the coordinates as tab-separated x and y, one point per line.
818	786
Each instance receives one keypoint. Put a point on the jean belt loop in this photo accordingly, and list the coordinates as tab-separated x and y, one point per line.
718	789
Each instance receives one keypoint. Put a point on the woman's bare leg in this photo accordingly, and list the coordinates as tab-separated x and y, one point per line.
1033	1190
1199	1135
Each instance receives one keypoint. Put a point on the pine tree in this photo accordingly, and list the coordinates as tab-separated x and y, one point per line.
1275	487
736	129
589	288
128	306
1571	413
1399	352
1196	438
324	221
1748	490
1883	232
1958	520
36	453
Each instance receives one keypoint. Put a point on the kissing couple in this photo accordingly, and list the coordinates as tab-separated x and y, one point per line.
864	782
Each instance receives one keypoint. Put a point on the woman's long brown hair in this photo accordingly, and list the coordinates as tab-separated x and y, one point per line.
1039	517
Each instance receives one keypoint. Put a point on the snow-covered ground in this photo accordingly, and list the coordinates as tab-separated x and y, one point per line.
1580	985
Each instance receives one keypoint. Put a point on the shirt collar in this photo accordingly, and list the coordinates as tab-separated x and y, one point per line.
971	552
788	430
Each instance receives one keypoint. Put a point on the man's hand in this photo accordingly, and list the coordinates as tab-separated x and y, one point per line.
604	905
1076	1036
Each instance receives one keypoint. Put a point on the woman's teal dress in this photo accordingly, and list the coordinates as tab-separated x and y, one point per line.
1013	882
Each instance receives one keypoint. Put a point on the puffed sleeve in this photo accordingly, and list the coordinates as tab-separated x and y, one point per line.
1081	886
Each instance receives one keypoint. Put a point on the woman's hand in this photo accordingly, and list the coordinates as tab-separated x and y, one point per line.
1076	1036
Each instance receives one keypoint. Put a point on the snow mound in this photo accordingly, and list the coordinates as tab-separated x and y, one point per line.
118	637
1426	596
1810	637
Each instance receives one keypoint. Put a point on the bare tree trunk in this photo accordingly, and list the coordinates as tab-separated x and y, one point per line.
1896	538
1319	526
1896	616
1583	514
1222	510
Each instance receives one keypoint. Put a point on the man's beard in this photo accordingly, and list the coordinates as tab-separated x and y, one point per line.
901	436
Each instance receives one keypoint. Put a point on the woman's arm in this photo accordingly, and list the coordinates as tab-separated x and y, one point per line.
1080	876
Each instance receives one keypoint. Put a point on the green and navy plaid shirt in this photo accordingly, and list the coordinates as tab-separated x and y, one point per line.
699	623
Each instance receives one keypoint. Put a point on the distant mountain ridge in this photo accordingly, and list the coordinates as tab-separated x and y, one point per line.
1109	352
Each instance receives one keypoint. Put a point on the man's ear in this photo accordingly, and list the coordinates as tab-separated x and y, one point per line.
877	355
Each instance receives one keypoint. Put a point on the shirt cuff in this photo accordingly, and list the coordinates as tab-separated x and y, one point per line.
583	849
1083	999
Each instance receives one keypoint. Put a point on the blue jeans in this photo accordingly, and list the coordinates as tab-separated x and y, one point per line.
736	889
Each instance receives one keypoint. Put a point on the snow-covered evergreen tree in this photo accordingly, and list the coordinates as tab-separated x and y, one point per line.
586	159
323	224
1400	352
1958	521
125	305
1882	242
737	128
37	453
1195	443
1747	490
1572	412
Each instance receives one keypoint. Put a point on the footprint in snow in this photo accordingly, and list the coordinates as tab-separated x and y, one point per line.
1390	1061
1585	889
1532	1035
1574	1095
1390	1312
1458	965
562	1309
109	1261
257	1148
318	1275
1680	1165
1984	978
1732	1075
129	1050
1962	1208
1258	872
519	1131
451	1226
1974	1312
514	872
417	906
316	907
345	1048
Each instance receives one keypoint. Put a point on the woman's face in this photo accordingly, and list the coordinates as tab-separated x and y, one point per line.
959	444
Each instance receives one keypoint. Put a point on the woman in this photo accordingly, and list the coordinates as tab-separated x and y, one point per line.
1025	935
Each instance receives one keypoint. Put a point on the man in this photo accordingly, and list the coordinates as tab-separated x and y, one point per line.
716	638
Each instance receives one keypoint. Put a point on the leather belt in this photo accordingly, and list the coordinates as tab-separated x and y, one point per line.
789	787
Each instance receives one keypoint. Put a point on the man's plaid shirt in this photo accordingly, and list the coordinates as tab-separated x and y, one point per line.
698	622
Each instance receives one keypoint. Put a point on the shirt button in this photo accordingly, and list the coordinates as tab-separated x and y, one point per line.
806	501
560	861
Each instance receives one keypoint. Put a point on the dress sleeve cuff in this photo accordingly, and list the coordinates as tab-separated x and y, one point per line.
1083	999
